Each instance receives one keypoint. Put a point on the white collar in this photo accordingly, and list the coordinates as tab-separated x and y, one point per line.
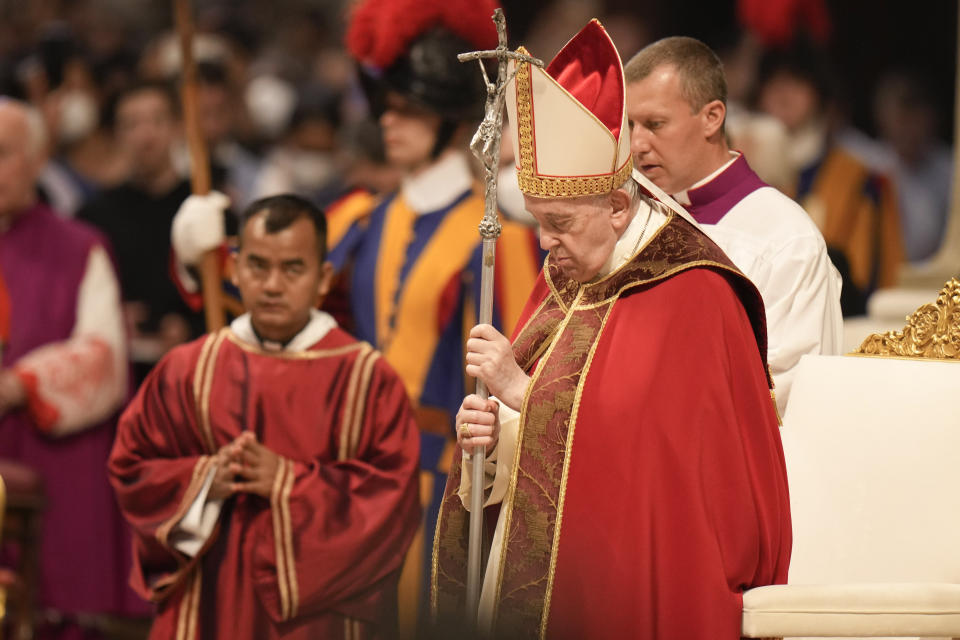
683	197
637	232
317	328
439	184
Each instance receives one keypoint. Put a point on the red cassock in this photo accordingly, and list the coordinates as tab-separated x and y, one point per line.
321	557
649	487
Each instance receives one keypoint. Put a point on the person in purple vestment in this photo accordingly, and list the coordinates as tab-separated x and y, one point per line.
676	104
63	376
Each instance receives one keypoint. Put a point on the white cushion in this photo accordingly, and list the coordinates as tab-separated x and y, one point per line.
872	447
862	610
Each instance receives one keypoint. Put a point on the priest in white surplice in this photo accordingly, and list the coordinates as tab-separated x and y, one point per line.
676	102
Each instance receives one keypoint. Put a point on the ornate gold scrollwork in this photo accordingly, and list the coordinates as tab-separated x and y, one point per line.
932	331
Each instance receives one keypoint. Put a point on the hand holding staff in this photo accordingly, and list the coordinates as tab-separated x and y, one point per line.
486	146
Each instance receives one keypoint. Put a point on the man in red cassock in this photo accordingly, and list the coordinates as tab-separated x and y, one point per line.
269	469
634	467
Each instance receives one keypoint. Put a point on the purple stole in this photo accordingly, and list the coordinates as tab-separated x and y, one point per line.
710	202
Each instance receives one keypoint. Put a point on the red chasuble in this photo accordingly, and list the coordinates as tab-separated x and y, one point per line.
649	487
321	557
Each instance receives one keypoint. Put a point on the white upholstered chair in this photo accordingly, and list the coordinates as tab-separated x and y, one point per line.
872	446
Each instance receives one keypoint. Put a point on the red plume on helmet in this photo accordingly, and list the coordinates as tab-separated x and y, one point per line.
777	23
380	31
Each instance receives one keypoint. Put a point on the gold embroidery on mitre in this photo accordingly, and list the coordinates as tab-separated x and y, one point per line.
932	331
552	186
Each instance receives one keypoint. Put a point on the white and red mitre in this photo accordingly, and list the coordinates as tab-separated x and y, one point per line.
568	121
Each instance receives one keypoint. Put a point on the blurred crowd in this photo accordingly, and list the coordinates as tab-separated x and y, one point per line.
281	110
278	107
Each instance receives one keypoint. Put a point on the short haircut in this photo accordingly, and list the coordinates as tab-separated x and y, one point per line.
163	88
282	211
700	70
805	62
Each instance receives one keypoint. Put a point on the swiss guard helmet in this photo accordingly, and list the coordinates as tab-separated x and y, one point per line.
410	47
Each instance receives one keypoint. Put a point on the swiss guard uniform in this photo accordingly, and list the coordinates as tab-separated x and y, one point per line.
413	258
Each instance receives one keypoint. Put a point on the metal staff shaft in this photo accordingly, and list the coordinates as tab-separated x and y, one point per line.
486	147
474	573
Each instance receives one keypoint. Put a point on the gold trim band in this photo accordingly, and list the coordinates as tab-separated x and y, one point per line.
278	540
293	588
209	366
549	187
189	608
347	421
574	414
308	354
357	427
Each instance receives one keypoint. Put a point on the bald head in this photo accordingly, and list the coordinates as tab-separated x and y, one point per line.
22	146
28	120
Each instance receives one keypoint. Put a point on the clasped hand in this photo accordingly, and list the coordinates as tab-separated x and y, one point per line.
244	466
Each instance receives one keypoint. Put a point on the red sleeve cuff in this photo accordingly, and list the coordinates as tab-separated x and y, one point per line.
43	414
194	299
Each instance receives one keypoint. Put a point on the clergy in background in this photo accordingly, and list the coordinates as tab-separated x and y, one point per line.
270	469
63	379
633	449
676	104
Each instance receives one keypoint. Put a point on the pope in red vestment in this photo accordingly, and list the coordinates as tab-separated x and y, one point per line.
635	471
317	552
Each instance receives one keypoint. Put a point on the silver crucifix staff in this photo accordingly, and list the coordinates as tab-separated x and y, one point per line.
486	147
